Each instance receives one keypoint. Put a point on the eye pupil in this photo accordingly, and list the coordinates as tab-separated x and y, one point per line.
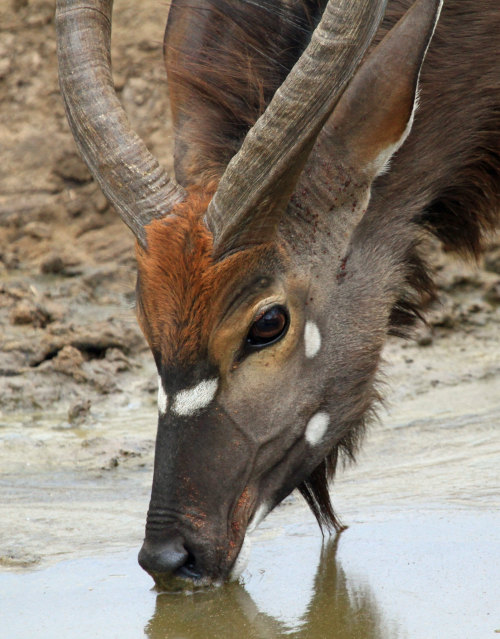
269	327
269	324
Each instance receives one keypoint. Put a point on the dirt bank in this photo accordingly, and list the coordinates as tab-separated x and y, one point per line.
66	262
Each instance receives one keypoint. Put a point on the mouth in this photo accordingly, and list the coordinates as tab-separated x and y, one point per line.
181	583
180	560
187	579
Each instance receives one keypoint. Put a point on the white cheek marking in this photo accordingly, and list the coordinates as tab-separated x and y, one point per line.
312	339
258	517
188	401
316	428
241	560
162	397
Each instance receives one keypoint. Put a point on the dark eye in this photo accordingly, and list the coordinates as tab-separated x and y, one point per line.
268	327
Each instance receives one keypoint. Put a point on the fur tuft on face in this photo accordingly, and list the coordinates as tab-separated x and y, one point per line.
316	488
180	286
175	276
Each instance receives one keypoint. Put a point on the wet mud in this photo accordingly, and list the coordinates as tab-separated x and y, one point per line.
420	557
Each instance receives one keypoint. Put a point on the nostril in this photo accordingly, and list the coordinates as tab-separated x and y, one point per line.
168	557
163	557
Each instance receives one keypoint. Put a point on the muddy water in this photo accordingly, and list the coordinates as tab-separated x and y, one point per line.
419	560
420	575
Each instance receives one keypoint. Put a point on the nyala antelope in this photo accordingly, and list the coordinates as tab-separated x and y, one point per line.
316	142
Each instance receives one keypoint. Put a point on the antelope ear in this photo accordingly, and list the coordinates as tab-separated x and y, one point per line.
375	114
217	59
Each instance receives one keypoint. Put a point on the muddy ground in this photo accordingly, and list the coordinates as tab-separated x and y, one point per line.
66	262
71	355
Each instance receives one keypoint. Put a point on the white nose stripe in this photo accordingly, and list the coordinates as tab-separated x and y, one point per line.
162	397
316	428
188	401
312	339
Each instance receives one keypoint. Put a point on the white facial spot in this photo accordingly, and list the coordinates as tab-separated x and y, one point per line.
312	339
316	428
188	401
162	397
258	517
241	560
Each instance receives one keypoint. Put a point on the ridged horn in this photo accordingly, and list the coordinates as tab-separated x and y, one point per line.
260	178
129	175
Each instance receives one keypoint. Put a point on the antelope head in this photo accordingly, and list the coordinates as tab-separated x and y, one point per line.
264	302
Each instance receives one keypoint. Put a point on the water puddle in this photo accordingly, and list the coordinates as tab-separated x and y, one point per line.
421	576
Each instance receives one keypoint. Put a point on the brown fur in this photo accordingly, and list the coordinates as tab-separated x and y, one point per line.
175	274
444	180
177	279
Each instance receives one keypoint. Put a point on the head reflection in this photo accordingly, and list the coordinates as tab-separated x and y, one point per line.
339	608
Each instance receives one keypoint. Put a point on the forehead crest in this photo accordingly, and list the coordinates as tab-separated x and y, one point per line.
181	287
175	276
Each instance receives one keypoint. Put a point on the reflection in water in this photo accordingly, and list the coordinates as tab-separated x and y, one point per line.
335	610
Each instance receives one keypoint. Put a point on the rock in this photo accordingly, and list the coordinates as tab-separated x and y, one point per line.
116	357
29	312
71	167
59	264
78	411
69	361
443	315
53	263
37	230
492	294
425	338
22	313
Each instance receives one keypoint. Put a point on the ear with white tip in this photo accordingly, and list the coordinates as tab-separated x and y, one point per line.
375	114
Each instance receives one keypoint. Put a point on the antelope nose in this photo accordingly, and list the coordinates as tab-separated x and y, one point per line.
168	557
